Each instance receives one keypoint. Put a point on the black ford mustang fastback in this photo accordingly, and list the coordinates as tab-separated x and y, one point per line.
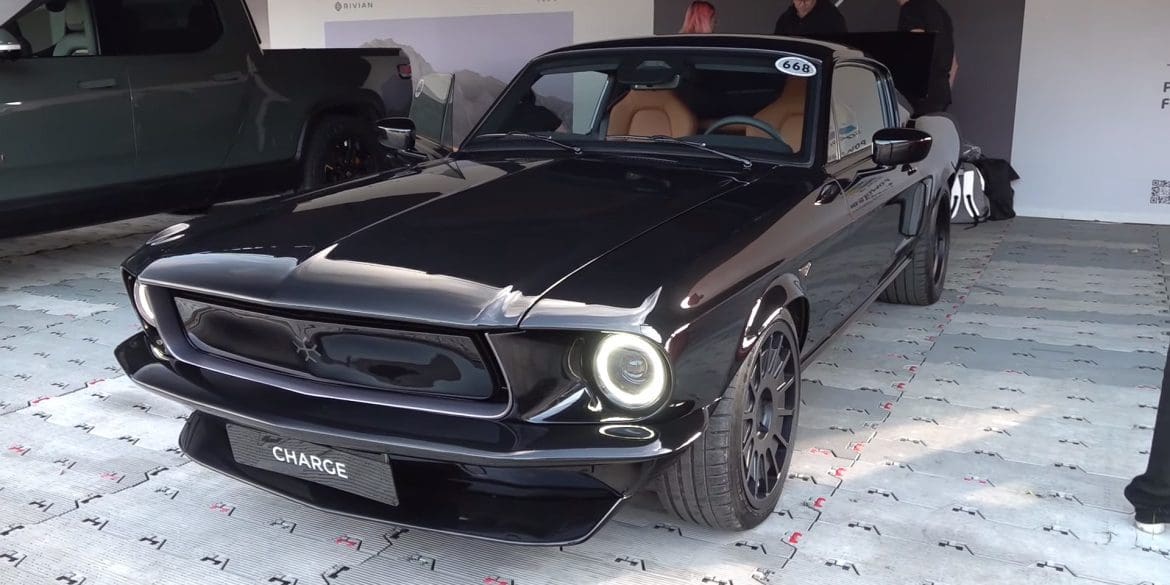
611	285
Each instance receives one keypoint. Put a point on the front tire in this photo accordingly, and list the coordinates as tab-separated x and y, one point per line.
731	477
340	148
923	280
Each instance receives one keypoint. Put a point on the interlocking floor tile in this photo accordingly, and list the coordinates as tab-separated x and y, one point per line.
986	439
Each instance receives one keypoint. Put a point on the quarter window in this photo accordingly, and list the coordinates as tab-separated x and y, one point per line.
56	29
857	110
158	27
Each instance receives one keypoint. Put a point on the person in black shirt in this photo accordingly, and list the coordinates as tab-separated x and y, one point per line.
929	16
530	116
811	17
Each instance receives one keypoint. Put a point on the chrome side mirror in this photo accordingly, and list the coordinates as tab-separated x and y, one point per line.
397	134
10	47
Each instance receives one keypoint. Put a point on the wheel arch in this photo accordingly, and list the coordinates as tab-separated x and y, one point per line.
364	104
784	293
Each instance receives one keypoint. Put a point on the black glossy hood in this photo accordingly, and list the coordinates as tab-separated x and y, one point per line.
459	243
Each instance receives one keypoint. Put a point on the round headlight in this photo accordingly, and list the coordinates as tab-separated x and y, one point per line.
142	303
630	371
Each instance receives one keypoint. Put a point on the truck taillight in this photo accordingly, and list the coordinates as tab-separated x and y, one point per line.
404	70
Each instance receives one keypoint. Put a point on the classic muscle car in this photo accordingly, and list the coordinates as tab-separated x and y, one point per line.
610	286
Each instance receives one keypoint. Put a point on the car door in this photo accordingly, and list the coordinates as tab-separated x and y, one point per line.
877	197
188	63
66	132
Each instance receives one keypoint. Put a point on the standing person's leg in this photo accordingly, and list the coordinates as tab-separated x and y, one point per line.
1150	492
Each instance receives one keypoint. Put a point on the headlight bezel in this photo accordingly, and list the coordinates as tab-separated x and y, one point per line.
657	388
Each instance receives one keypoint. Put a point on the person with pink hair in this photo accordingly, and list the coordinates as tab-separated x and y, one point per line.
700	18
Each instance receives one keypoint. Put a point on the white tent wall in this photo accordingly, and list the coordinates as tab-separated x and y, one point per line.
1092	132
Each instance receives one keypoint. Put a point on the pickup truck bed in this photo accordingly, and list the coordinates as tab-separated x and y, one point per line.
182	110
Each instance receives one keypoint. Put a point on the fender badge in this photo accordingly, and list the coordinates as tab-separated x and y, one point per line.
804	270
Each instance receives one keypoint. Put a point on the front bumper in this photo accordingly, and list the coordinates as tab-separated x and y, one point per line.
507	480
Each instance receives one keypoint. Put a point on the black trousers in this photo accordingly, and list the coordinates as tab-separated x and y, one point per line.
1151	490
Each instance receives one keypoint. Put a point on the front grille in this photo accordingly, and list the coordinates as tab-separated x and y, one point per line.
377	358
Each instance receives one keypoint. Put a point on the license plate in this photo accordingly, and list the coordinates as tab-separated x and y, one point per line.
362	474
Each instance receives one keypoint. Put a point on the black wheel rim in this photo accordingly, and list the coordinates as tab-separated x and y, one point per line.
941	248
347	159
769	417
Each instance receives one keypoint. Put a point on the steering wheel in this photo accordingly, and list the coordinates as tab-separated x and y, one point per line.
746	121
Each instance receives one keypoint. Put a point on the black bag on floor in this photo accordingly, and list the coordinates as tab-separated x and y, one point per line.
998	175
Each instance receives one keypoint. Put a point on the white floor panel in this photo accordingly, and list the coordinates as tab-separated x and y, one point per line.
986	439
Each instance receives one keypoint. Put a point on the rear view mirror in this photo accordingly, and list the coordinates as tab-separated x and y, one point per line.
397	134
900	146
10	47
649	75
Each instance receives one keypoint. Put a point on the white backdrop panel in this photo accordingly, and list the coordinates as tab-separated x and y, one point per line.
1092	134
300	23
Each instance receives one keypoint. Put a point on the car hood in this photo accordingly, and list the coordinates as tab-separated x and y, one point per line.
456	243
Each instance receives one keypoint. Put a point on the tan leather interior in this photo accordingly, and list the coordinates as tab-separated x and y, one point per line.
651	113
786	114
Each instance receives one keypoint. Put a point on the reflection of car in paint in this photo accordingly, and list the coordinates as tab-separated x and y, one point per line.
113	108
575	315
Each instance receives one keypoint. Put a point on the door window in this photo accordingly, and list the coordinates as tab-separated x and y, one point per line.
158	27
56	29
857	111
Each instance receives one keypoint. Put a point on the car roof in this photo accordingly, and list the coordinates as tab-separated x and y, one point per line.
822	50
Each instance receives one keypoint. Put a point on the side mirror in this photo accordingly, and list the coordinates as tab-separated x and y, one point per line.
900	146
397	134
10	47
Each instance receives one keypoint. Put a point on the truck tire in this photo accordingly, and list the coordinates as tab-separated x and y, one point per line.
731	477
922	282
339	148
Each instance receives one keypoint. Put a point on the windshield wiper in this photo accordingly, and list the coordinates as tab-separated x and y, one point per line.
549	139
661	139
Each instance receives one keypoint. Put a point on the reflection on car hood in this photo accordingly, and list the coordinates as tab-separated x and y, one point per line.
461	243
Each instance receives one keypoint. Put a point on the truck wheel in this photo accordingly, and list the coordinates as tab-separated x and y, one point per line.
921	283
339	148
731	477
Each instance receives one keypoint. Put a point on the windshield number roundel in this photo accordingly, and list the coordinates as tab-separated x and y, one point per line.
798	66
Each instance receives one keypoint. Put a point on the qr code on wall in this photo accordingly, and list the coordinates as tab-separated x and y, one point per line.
1160	192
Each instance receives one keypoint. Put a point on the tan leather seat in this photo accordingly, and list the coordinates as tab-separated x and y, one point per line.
786	114
644	112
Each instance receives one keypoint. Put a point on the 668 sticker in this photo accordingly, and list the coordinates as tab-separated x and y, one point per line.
798	66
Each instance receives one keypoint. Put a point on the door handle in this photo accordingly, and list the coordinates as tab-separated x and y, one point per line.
829	193
98	83
230	76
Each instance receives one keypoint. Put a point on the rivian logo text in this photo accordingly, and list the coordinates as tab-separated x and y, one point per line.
339	6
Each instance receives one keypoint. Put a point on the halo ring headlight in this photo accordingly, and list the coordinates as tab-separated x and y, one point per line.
630	371
143	305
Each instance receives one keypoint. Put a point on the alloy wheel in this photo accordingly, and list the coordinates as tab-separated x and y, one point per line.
941	248
768	417
346	160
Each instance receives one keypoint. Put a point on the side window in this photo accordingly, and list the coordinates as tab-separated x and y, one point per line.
158	27
58	28
857	110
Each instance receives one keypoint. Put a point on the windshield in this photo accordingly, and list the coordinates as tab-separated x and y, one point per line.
749	104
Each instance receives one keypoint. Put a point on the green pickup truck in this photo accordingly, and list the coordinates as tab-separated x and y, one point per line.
120	108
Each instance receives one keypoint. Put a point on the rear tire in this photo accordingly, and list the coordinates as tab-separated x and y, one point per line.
923	280
732	476
339	148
